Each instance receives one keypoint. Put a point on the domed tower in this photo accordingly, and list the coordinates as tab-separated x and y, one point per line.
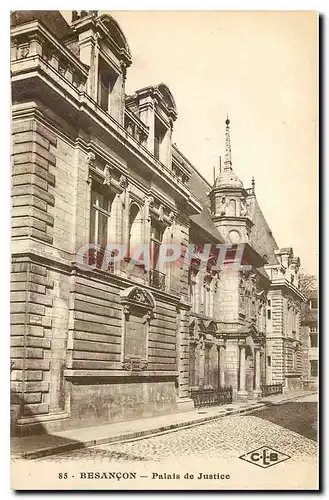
229	205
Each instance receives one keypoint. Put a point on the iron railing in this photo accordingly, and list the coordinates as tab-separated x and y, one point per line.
157	279
211	397
271	389
100	259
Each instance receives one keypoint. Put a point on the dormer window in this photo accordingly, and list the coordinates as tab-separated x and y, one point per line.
107	78
159	134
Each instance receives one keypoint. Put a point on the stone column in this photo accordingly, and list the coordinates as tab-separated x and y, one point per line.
146	110
242	393
257	390
201	359
221	360
184	402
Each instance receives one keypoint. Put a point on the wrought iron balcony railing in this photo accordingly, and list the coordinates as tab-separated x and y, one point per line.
157	279
99	258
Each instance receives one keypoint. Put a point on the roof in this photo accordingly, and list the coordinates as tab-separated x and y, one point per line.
261	237
51	19
199	187
228	178
115	33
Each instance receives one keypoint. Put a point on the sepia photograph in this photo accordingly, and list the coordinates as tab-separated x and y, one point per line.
164	250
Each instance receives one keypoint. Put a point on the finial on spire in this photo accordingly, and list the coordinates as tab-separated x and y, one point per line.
253	185
228	159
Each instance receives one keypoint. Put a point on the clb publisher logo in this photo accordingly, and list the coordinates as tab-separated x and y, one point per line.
264	457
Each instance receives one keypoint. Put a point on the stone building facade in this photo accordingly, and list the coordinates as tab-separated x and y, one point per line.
95	343
310	340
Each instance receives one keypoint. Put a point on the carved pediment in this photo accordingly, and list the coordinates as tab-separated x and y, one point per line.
211	326
138	296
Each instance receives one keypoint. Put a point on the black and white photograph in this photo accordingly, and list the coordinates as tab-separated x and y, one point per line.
164	250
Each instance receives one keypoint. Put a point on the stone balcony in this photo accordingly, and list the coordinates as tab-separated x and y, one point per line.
135	127
44	69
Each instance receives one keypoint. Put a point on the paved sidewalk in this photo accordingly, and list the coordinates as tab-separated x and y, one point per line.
58	442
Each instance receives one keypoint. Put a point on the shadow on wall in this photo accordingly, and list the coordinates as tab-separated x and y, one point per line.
34	441
27	439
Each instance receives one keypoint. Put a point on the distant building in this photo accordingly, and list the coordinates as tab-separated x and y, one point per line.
93	166
310	339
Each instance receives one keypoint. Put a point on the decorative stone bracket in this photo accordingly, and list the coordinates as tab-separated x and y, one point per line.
134	364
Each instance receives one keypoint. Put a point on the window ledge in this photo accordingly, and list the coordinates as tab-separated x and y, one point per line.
117	374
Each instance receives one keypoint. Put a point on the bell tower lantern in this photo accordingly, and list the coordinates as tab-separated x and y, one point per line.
229	205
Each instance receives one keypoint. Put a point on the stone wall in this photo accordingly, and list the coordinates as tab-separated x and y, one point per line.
67	326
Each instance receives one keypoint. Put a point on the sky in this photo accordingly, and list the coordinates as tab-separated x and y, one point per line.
260	68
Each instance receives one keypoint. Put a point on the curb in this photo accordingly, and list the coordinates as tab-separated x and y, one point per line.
292	398
54	450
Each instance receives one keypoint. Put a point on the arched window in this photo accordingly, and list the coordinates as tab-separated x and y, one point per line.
231	209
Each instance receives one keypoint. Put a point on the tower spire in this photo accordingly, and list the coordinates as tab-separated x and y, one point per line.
228	158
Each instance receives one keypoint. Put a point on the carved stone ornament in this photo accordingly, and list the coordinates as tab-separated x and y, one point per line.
243	208
123	182
148	316
62	67
91	157
139	295
242	343
134	364
107	175
148	200
23	51
126	309
253	277
171	217
223	206
123	69
97	37
161	212
221	341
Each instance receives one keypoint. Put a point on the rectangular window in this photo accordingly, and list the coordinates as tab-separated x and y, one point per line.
156	240
100	212
313	329
269	314
269	360
269	303
106	81
314	367
314	340
103	91
157	277
159	134
314	303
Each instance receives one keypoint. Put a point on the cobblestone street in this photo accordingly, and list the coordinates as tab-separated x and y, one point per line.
289	428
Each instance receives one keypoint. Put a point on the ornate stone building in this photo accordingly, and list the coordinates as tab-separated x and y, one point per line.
310	340
91	166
